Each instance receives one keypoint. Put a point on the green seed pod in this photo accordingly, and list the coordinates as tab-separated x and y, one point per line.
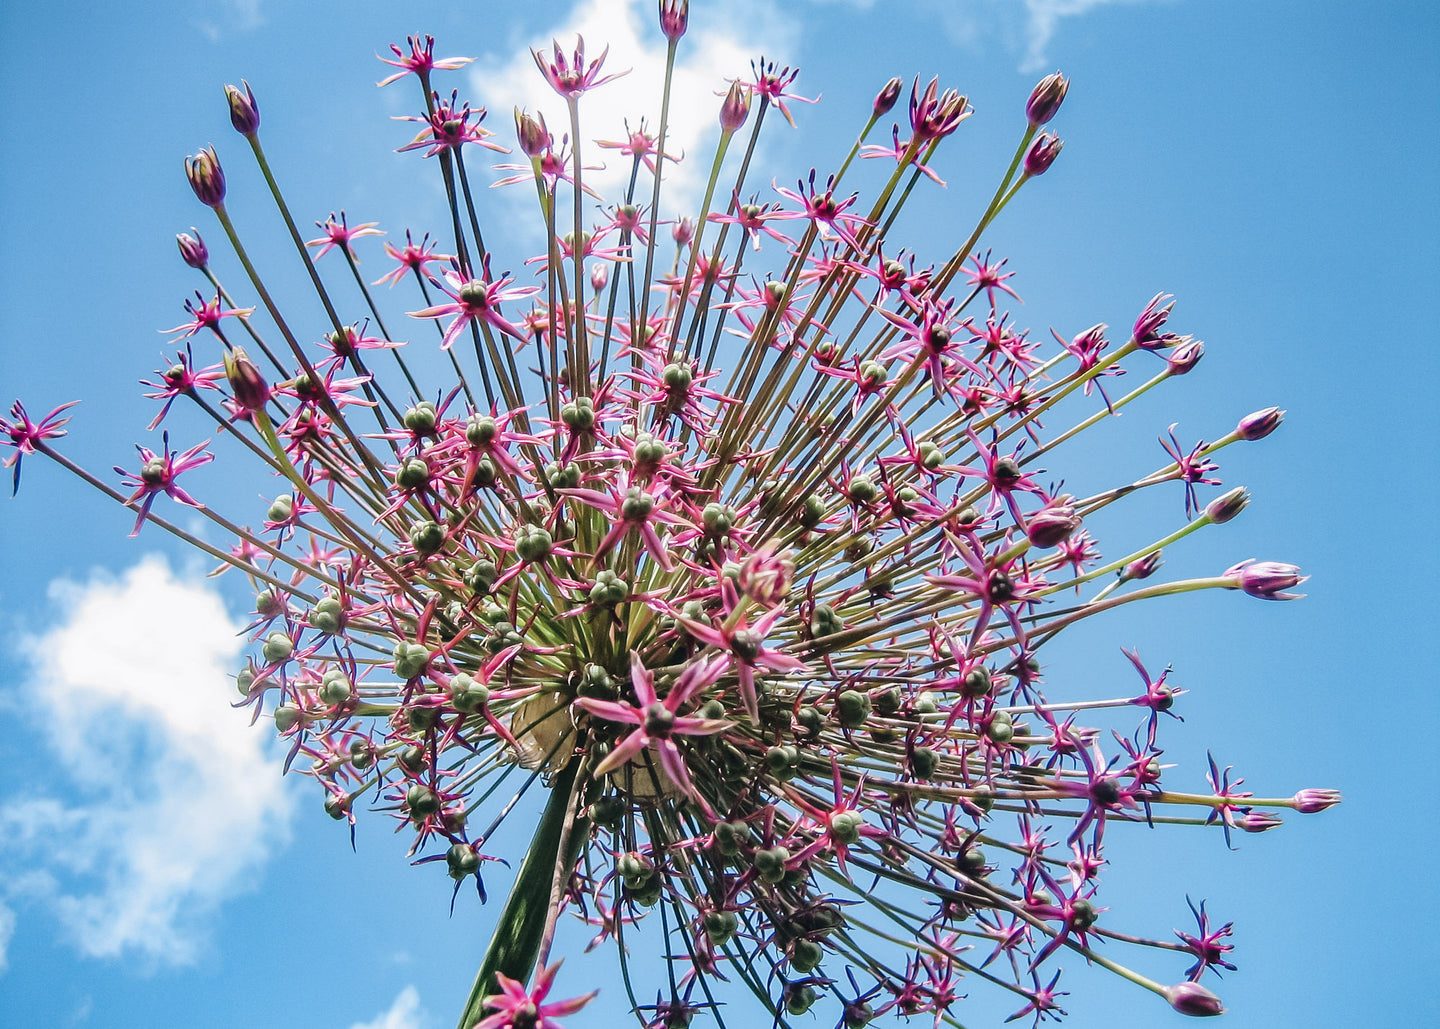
422	717
976	684
810	719
886	701
337	806
422	418
608	811
421	801
277	647
427	537
805	955
812	512
335	690
412	759
269	604
327	616
924	762
282	508
983	797
1082	914
720	926
973	862
480	430
362	754
466	695
244	679
413	473
852	708
824	621
461	861
481	576
845	827
287	717
770	861
799	999
533	543
860	490
411	659
925	704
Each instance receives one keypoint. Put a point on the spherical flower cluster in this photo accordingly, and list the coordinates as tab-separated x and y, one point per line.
763	618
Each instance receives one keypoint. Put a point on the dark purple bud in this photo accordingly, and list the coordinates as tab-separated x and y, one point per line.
1222	509
193	249
1260	424
206	177
1193	999
531	133
1046	98
1042	154
674	18
1142	568
735	108
244	114
246	383
1185	356
885	99
1053	524
1309	802
1266	579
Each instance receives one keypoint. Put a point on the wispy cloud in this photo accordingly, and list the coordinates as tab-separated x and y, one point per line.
405	1013
154	800
710	56
7	930
1043	18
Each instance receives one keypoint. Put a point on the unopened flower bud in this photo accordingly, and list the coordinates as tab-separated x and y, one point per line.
1309	802
531	133
599	275
1257	821
735	108
1223	508
885	99
1259	424
1185	356
1193	999
683	230
674	18
1053	524
251	392
1141	568
244	114
1265	579
1042	154
193	249
206	177
1046	98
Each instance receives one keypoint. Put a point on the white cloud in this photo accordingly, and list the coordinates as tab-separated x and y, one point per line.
709	56
405	1013
164	796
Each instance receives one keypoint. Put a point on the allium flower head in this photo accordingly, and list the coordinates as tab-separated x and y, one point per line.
722	558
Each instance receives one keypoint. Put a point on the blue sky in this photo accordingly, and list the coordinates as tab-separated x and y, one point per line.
1270	164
